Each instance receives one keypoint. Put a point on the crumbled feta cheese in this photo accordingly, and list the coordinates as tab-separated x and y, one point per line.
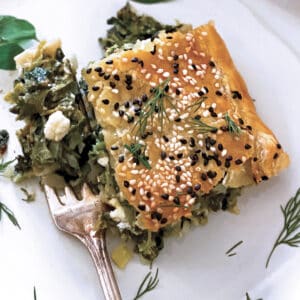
103	161
57	127
118	214
123	225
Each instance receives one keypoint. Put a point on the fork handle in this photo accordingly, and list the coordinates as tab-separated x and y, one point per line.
96	244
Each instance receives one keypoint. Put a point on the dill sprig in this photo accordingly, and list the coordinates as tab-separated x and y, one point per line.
202	127
9	213
197	104
290	233
232	126
138	152
154	106
229	251
148	284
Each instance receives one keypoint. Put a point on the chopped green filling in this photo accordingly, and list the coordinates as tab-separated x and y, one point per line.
128	27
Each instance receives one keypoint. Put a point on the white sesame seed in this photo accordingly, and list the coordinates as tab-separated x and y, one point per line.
153	84
166	74
184	72
134	172
205	113
124	59
204	33
148	75
153	66
115	91
143	71
224	152
132	181
213	105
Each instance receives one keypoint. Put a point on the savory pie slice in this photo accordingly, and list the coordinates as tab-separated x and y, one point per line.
180	127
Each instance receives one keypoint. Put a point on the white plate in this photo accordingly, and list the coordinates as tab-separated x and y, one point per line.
194	267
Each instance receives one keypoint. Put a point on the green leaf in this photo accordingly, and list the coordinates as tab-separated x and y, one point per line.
7	53
14	34
9	214
13	29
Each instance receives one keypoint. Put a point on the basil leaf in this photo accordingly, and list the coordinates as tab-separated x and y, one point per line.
13	29
7	53
14	35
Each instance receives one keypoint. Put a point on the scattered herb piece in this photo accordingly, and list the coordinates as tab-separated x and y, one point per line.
29	197
290	233
154	106
232	126
4	165
14	34
202	127
148	284
229	251
138	152
9	213
4	137
128	27
248	297
34	294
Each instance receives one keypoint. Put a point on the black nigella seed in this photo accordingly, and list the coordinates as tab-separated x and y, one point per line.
134	59
114	148
241	121
130	119
178	119
197	187
214	130
121	158
247	146
112	84
121	113
205	162
177	91
236	95
200	93
210	109
192	142
166	139
275	156
176	200
212	141
101	74
126	183
165	196
171	157
238	161
175	71
194	66
153	51
95	88
109	62
106	76
175	57
177	177
129	87
214	114
163	221
219	163
105	101
127	104
144	98
211	174
220	147
156	215
116	106
178	168
227	164
116	77
133	192
229	158
264	178
88	71
180	155
203	176
197	117
128	78
148	195
163	155
278	146
218	93
249	127
175	65
183	141
255	159
189	190
142	207
211	64
98	69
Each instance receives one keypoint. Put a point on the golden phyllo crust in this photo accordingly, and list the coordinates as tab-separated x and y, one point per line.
178	120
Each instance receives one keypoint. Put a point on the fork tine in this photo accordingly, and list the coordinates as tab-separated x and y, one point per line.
69	197
51	197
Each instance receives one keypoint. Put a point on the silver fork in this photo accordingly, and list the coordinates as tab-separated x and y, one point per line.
78	218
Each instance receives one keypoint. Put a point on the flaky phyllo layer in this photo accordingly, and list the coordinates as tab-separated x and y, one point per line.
180	127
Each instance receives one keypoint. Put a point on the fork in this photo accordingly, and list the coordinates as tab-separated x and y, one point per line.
78	218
